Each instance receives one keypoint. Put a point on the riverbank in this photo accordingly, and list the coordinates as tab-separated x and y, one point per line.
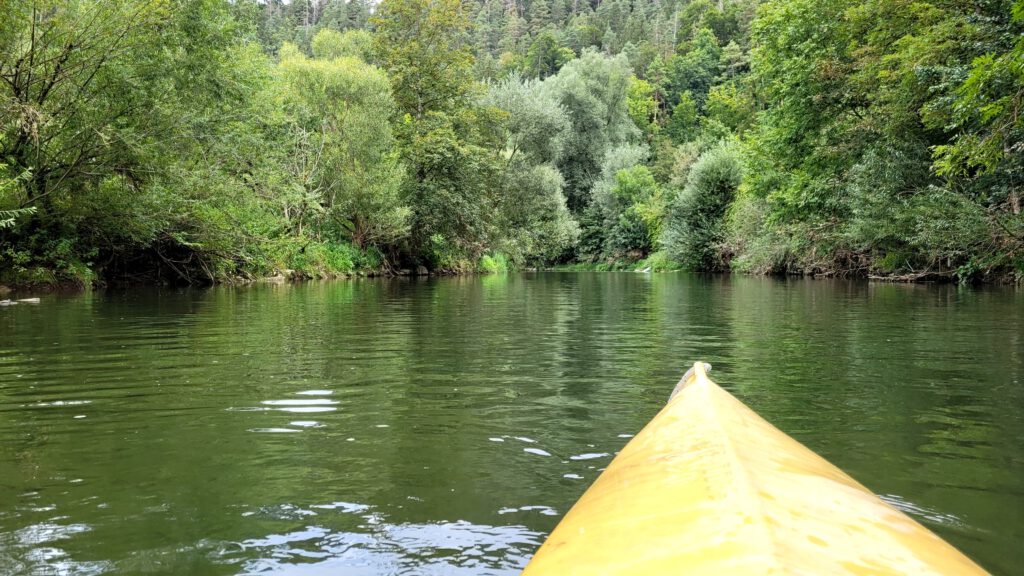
653	264
660	262
313	264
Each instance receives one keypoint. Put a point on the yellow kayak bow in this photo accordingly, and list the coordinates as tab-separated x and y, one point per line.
709	487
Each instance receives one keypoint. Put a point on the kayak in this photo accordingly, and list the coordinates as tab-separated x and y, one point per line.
709	487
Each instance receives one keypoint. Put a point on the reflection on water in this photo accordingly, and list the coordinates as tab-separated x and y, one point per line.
34	549
378	547
933	516
443	426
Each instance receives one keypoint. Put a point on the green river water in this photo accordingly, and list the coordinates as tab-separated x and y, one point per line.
443	426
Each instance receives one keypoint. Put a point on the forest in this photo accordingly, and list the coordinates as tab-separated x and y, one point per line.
203	141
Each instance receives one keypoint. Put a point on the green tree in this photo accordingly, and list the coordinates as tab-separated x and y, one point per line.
117	111
342	109
879	83
986	111
328	44
634	214
732	106
537	124
682	124
694	67
515	32
61	63
545	56
424	47
534	222
643	108
695	229
593	91
448	144
540	15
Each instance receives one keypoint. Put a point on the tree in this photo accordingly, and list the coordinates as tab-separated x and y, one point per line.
515	31
696	225
534	222
540	15
986	111
634	213
545	56
643	108
537	124
449	145
853	110
328	44
694	67
487	28
424	47
682	124
60	63
657	75
730	105
342	108
593	91
117	111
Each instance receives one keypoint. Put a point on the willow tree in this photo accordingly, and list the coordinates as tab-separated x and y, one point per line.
344	147
535	222
593	90
116	115
66	69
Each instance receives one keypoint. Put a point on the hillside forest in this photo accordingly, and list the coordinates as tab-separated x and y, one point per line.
199	141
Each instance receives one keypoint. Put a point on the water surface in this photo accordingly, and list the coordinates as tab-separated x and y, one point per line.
443	426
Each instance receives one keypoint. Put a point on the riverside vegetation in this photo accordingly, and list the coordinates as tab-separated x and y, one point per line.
206	140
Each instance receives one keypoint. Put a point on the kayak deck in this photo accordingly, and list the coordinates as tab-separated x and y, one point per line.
710	487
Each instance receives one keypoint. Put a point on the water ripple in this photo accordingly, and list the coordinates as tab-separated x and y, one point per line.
224	430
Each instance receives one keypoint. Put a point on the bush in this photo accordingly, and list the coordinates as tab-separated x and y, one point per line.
324	259
756	247
493	263
658	262
695	230
634	213
629	237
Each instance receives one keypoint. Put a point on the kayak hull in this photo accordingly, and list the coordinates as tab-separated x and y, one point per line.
710	487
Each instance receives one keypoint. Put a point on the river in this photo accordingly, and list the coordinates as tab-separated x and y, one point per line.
442	426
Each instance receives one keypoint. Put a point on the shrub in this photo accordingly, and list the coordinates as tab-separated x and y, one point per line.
493	263
695	230
324	259
756	247
658	262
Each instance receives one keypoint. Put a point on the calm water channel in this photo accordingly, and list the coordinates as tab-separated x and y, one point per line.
443	426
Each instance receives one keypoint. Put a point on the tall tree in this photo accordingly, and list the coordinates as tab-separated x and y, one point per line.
988	113
60	65
341	109
449	145
425	49
540	15
545	56
593	91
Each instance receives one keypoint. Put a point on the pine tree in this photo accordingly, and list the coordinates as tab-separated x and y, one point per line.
558	11
515	29
610	41
540	15
359	13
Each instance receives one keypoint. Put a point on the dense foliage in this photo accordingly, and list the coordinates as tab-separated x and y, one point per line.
203	140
